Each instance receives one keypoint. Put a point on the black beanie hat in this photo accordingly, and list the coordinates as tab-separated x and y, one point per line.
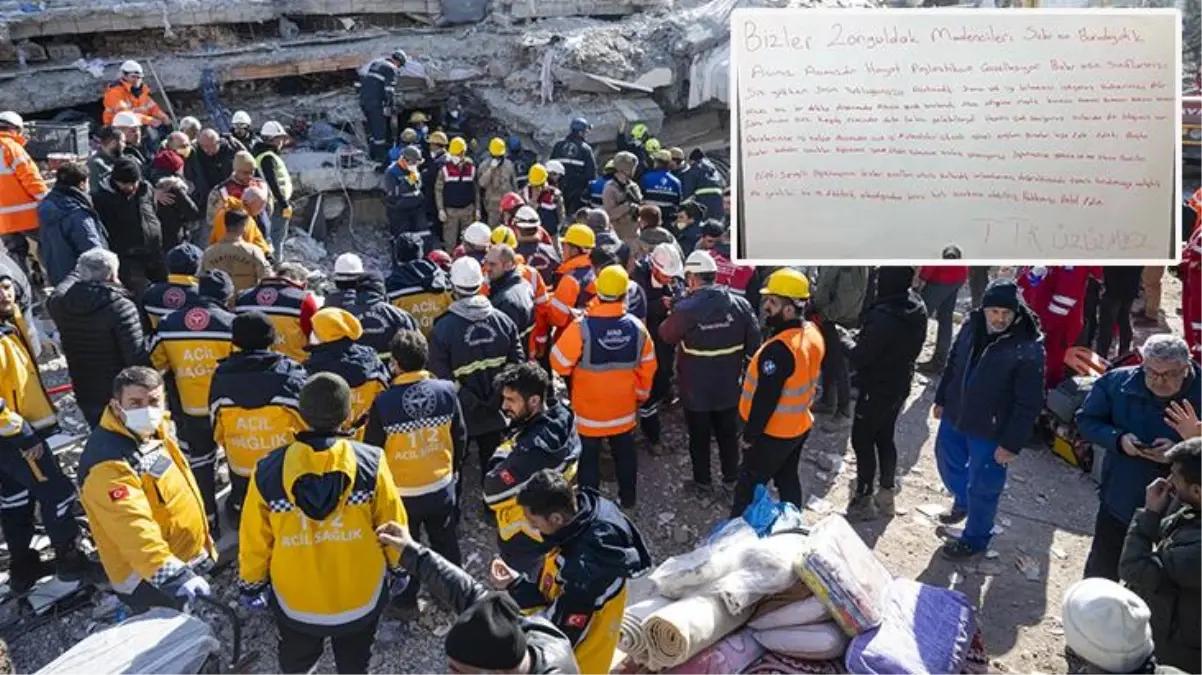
184	259
696	210
126	170
215	285
696	155
488	635
892	281
712	228
1001	293
325	402
253	330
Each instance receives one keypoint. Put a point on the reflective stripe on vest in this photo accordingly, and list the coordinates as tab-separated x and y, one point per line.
476	366
584	276
610	343
708	191
282	178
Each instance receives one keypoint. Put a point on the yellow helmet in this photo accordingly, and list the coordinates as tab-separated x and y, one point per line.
638	131
652	146
580	235
788	283
418	117
537	175
409	136
612	283
503	235
438	138
496	147
458	147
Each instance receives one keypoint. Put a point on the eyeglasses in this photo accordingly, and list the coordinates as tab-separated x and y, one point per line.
1164	375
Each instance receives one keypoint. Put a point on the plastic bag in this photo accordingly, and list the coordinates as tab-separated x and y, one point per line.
680	575
767	515
159	641
765	568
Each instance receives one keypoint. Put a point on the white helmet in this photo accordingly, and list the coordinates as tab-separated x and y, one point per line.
666	259
477	234
126	119
466	274
526	218
347	267
555	167
241	117
131	68
271	129
700	262
12	119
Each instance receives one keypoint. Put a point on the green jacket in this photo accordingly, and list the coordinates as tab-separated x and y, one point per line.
1162	563
839	296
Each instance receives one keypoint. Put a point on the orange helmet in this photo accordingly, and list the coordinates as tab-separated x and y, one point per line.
511	201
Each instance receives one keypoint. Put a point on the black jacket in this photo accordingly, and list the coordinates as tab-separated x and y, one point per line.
1122	282
891	335
550	650
715	331
205	172
470	344
132	223
252	379
515	297
68	227
380	319
174	217
101	333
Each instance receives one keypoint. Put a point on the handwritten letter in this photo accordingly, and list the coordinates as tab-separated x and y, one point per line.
1017	135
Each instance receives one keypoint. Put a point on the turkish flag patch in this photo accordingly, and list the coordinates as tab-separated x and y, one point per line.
507	478
118	493
577	620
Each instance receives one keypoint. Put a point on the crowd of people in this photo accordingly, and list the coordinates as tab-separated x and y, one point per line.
345	419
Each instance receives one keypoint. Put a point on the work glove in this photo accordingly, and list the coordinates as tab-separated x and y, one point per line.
194	587
254	602
398	581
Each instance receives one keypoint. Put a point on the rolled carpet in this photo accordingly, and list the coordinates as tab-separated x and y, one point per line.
632	637
679	631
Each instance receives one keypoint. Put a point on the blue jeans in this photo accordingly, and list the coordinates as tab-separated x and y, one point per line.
279	231
975	480
940	300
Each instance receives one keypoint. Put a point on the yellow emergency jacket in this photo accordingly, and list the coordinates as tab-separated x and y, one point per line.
317	548
146	512
189	343
20	381
419	424
254	401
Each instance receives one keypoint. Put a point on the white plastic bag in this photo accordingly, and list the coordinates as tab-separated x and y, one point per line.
762	569
681	575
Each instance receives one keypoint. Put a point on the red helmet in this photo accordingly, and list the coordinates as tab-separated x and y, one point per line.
441	258
511	201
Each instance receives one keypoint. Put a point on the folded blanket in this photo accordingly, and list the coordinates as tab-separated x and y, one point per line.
817	642
779	664
924	629
795	593
734	653
679	631
808	611
845	575
763	569
632	638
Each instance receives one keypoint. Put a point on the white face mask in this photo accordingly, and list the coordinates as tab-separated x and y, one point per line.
143	421
313	339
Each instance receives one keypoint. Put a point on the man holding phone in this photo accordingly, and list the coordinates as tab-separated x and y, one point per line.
1137	414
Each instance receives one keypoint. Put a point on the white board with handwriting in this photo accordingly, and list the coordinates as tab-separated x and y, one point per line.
1017	135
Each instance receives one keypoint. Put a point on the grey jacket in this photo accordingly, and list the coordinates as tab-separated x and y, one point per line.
839	295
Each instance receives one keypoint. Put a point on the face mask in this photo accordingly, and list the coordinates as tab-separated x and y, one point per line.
142	421
455	159
313	339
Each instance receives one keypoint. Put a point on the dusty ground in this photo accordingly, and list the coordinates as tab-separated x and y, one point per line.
1046	515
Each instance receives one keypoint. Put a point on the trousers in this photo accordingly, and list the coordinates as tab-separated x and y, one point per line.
770	459
196	441
836	376
1150	280
723	426
974	478
298	651
378	131
626	463
940	300
1109	534
486	446
457	220
54	493
410	219
435	515
661	395
872	438
1114	311
138	272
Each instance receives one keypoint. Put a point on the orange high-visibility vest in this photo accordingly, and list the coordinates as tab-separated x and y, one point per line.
792	416
21	186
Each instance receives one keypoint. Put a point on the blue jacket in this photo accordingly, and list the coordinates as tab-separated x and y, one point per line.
596	188
714	332
1120	403
68	227
995	394
381	321
702	182
662	189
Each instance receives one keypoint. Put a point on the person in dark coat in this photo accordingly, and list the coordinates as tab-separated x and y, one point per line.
368	302
211	163
100	164
99	327
508	291
68	224
126	205
174	205
1120	287
660	275
892	332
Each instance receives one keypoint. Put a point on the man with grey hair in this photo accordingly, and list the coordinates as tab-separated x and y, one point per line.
508	291
100	329
1130	414
190	127
211	163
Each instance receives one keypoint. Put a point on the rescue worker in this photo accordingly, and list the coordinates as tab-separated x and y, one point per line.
403	194
536	345
469	345
436	159
510	203
1057	295
455	193
533	246
130	93
576	155
597	188
1190	274
661	276
636	297
278	179
419	122
498	177
376	87
164	297
611	361
253	402
408	137
244	176
778	389
419	423
110	147
455	123
678	164
240	131
380	320
633	143
702	182
510	292
555	172
306	545
542	436
574	288
130	126
290	307
142	502
546	199
125	204
21	188
476	240
416	285
335	349
652	233
744	280
245	263
622	197
593	550
189	344
713	330
254	204
661	188
689	219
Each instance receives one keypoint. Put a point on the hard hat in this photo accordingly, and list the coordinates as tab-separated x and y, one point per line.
677	154
412	155
626	162
400	55
666	258
348	266
125	119
408	135
12	119
661	156
652	146
526	218
496	147
514	144
418	117
638	131
466	273
477	234
271	129
609	167
240	117
612	283
131	68
580	124
700	262
503	235
580	235
511	201
537	175
555	168
788	283
437	138
458	147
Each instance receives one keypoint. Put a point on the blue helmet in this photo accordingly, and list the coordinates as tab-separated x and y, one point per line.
580	124
513	143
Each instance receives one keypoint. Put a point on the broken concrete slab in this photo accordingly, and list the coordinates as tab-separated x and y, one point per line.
522	115
578	80
314	172
543	9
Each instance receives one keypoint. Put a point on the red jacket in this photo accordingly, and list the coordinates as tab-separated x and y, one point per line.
1059	298
944	274
736	277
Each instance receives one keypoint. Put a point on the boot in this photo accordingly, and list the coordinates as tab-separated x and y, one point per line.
862	507
70	564
884	501
25	569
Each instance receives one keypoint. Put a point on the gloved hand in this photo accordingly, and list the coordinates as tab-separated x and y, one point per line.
398	581
254	603
194	587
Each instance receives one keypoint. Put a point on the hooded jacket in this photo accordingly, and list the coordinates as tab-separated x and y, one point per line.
359	366
582	586
839	294
422	290
471	344
174	217
715	331
290	308
164	297
101	335
189	344
891	336
69	227
254	402
132	223
515	298
368	302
